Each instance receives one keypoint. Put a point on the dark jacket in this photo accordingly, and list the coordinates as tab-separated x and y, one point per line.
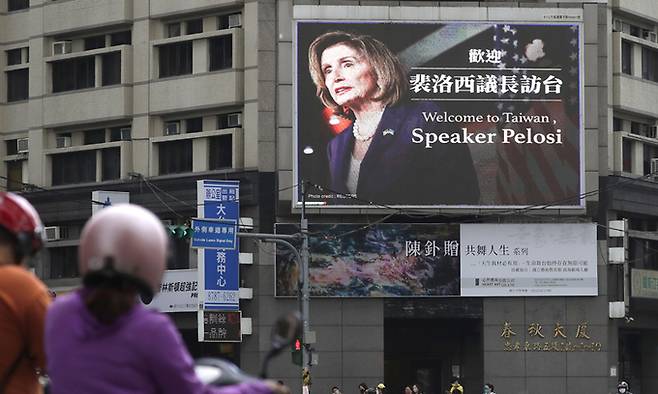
396	171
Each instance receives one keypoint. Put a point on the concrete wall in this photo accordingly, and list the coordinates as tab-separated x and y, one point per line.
642	8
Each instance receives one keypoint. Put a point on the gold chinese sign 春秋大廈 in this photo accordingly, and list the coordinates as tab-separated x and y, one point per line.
554	339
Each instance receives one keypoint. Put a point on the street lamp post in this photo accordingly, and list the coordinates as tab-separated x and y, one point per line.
305	295
302	260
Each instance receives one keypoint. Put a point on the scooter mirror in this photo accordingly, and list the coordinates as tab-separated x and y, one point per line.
286	329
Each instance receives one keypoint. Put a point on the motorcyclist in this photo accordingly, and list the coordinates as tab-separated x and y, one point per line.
622	388
100	339
23	298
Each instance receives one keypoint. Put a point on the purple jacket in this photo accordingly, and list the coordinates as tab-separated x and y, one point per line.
141	353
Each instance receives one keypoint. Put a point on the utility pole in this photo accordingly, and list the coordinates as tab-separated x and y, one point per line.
303	283
306	357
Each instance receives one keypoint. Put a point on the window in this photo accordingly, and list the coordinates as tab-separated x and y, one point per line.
194	125
173	29
636	31
73	74
636	127
626	57
15	5
175	59
221	52
17	85
220	152
12	147
650	152
63	262
15	175
111	164
649	64
617	124
175	157
94	136
76	167
94	42
14	56
194	26
111	68
116	133
627	150
121	38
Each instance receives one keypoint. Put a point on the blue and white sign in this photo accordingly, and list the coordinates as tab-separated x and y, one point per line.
214	234
219	268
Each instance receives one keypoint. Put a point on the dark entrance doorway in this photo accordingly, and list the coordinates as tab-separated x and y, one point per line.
431	351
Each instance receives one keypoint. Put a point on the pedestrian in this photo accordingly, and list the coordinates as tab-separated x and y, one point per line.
416	389
23	298
362	388
101	339
380	388
407	390
456	387
623	388
488	389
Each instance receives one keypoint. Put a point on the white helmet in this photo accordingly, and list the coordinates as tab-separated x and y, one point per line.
124	241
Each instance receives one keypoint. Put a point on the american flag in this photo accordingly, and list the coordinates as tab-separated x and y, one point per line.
537	174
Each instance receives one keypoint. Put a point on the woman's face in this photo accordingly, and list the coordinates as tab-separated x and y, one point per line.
415	389
347	75
407	390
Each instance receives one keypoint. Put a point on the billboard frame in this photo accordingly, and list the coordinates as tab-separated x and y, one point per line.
296	201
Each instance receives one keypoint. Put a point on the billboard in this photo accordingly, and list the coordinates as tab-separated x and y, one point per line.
476	115
179	292
443	260
220	326
528	259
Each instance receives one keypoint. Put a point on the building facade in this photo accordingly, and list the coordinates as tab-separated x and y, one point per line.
150	96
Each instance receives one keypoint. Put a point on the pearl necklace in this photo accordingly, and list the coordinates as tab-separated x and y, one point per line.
355	128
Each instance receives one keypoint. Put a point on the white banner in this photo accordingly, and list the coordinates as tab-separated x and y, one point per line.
528	260
179	292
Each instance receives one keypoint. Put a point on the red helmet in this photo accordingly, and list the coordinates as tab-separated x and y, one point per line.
127	240
20	218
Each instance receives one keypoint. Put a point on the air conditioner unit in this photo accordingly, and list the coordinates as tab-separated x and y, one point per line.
616	25
125	133
649	35
52	233
652	131
61	47
234	20
172	128
63	141
22	145
234	120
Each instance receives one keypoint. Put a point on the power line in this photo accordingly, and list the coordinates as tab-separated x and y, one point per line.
536	207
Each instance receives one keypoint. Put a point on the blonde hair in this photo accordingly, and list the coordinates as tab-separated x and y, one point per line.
388	72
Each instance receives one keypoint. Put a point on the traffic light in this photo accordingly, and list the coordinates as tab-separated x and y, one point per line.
180	232
297	352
